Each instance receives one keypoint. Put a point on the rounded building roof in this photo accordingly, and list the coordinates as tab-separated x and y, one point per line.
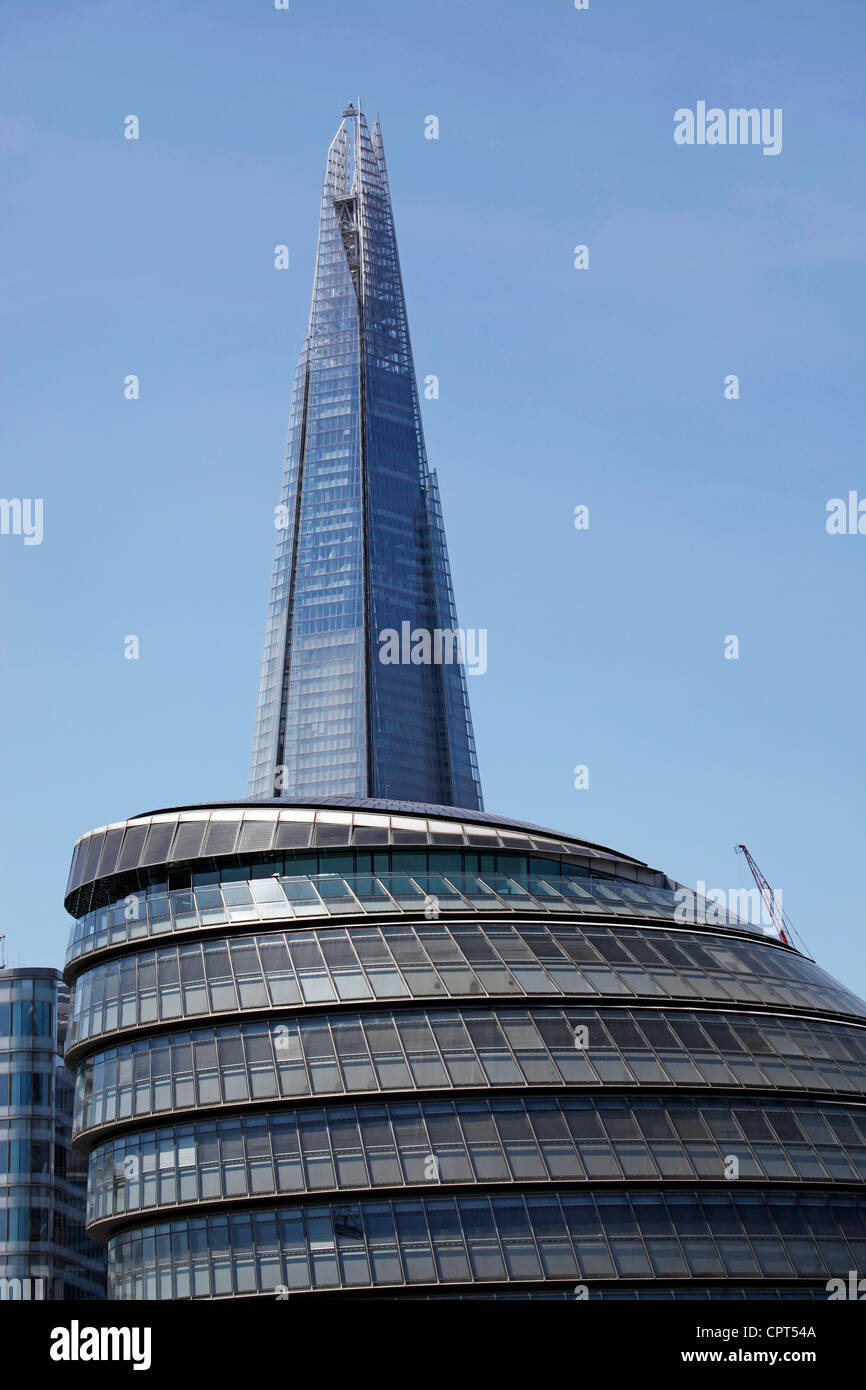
405	808
171	835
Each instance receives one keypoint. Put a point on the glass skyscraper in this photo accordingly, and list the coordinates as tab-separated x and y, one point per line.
44	1251
360	548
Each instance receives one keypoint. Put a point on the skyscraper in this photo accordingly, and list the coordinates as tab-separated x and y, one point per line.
360	546
44	1251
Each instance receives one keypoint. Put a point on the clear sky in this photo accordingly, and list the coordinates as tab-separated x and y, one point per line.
558	387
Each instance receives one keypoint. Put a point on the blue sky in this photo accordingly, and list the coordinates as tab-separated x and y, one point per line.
558	387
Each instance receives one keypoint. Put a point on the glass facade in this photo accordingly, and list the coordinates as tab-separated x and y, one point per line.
444	1050
229	895
460	1058
44	1250
537	1139
421	960
360	547
439	1241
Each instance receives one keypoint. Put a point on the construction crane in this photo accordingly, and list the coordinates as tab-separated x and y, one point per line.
777	917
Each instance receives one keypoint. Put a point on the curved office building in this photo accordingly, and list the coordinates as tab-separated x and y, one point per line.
369	1048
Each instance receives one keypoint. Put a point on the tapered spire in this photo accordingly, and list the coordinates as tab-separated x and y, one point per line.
360	551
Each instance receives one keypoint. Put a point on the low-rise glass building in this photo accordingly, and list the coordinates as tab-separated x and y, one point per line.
44	1250
365	1048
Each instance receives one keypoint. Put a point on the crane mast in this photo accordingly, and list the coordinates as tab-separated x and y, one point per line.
768	896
